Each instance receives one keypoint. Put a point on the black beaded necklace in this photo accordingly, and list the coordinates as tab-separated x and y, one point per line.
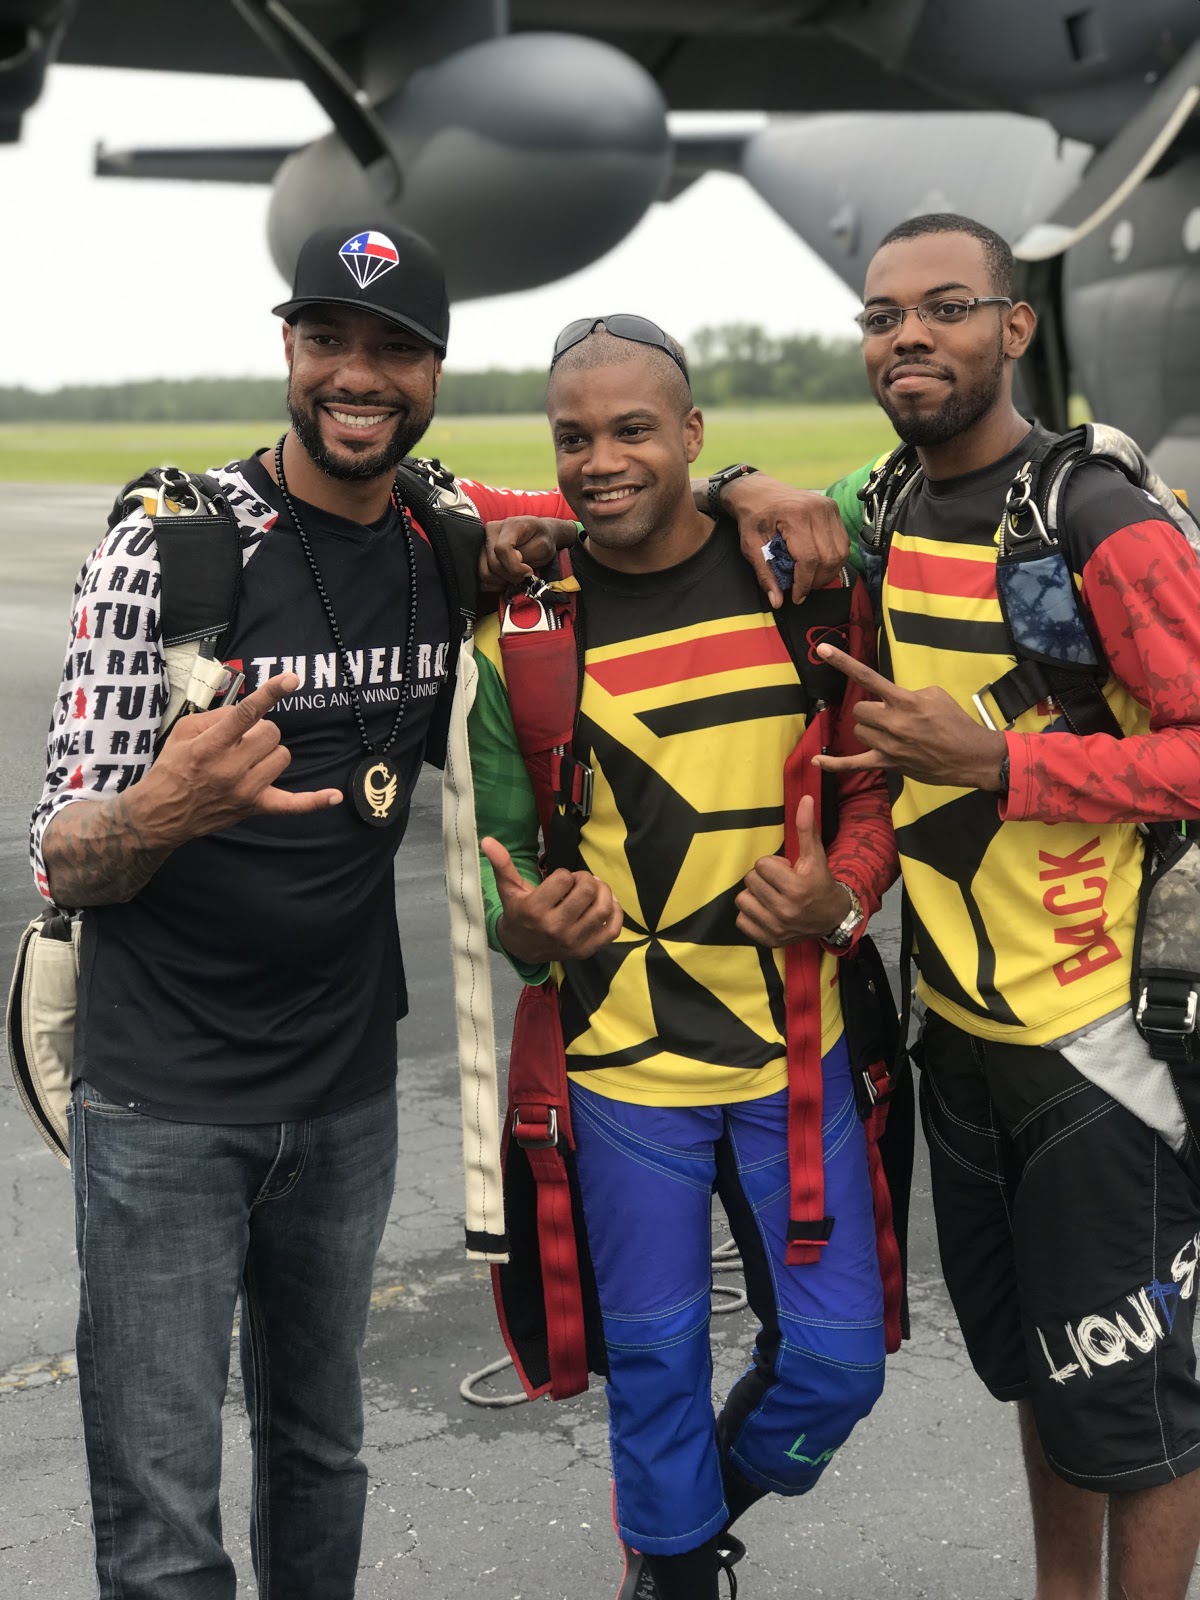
374	781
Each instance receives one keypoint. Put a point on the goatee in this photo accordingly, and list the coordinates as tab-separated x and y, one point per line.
957	413
409	430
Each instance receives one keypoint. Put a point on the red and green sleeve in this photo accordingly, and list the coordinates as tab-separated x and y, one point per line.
504	803
495	504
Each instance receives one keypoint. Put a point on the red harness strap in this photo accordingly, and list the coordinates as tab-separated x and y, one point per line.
891	1269
539	1123
809	1229
808	1226
541	672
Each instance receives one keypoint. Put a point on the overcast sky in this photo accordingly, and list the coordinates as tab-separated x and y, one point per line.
107	279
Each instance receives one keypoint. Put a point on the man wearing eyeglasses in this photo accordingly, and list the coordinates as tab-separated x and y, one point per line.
696	963
1064	1179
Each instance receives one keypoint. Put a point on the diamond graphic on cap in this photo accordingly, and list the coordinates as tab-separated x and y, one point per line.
368	256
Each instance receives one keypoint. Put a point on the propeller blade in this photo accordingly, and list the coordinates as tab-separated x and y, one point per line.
355	119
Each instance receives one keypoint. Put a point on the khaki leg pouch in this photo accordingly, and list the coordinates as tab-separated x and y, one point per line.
40	1023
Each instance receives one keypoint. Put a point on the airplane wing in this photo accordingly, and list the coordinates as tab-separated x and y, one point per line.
210	164
694	155
704	54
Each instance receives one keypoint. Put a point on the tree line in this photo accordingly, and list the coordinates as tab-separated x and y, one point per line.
737	363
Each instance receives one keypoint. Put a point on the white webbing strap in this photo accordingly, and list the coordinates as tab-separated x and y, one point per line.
192	679
180	659
472	983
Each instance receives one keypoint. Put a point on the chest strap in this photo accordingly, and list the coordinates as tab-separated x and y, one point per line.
808	1229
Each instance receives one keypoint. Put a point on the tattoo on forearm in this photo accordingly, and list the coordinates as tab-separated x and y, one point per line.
95	854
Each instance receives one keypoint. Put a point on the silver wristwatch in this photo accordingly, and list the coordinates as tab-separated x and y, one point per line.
845	930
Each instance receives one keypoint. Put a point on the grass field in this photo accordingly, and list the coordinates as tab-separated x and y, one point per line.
806	445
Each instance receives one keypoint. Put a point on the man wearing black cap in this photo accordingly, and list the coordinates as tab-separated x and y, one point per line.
234	1112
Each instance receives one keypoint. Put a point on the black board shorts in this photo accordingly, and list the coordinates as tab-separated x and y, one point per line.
1069	1235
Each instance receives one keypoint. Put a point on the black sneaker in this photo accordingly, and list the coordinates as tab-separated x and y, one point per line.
636	1583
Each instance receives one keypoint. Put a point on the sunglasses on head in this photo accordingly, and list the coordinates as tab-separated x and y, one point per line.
639	330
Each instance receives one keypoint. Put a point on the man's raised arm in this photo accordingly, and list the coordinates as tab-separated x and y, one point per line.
819	530
215	769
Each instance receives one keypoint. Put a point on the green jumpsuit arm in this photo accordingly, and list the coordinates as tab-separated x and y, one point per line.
844	494
504	802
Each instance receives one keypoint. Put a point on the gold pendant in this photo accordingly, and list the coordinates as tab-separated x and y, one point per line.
375	790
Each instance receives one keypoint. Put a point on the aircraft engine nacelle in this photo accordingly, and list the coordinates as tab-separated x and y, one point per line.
523	159
842	181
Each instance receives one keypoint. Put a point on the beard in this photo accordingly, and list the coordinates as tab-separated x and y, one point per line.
956	414
409	429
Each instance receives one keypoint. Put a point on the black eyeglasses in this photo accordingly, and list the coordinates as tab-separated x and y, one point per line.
640	330
938	311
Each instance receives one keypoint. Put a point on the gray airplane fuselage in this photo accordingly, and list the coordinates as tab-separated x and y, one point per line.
544	123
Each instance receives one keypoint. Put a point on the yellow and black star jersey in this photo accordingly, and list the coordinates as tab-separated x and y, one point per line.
1024	928
690	706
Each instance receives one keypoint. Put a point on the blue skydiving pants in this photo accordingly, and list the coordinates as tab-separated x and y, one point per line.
647	1175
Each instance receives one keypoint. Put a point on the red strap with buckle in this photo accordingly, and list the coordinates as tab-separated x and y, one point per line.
808	1226
887	1249
565	1331
541	1128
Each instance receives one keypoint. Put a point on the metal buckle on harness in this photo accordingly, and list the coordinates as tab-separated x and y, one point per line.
1019	502
449	493
573	774
985	715
541	1136
173	493
880	1091
587	782
1185	1010
872	501
545	622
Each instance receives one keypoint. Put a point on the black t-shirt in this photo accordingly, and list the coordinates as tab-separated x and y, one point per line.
969	507
258	977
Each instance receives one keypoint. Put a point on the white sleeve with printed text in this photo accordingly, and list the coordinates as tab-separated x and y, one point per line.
114	683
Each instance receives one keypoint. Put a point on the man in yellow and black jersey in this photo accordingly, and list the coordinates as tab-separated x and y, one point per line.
1065	1182
673	932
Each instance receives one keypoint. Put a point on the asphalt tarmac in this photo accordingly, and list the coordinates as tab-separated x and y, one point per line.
926	1501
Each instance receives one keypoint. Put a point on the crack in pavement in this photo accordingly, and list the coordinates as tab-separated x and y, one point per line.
37	1374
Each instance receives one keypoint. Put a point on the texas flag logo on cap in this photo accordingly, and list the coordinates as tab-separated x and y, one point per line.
368	256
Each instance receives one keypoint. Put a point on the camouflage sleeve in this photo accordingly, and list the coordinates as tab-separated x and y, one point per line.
114	682
504	803
844	494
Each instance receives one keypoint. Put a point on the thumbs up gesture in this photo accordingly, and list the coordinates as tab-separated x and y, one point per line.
566	917
786	901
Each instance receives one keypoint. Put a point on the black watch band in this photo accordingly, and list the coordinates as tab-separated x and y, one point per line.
718	480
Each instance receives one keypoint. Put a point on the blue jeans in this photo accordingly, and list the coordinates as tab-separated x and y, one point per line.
175	1222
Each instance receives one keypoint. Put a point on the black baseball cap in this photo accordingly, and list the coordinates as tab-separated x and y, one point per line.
381	268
